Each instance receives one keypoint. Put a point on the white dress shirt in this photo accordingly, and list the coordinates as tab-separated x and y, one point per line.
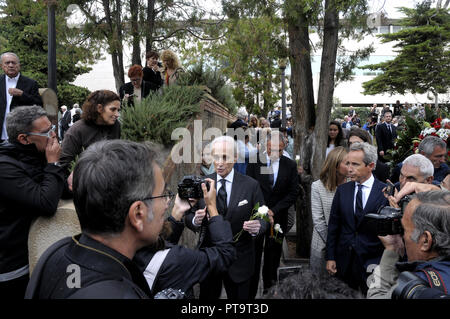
9	83
367	187
229	182
275	167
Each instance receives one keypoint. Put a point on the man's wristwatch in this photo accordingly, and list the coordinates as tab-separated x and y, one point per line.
56	164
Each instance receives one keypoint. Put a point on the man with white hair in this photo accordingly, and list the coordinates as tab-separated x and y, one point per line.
15	89
416	168
65	120
435	149
237	195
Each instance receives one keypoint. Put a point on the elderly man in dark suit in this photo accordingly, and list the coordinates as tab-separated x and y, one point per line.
15	89
385	134
279	185
237	195
65	120
353	250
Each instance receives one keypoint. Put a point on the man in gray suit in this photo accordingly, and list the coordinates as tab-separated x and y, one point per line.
237	195
15	89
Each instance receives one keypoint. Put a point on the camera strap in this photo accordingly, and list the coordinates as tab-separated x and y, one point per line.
434	279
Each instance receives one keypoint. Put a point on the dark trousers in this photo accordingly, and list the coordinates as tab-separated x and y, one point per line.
211	288
271	262
14	289
354	276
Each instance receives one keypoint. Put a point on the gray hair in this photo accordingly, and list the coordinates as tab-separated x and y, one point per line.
275	134
425	166
109	176
429	143
20	120
433	215
226	139
370	152
9	53
241	113
64	107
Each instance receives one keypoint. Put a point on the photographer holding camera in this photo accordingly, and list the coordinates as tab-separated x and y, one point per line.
174	269
426	241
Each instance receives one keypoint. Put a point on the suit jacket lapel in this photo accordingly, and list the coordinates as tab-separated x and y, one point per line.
3	93
372	200
235	190
281	171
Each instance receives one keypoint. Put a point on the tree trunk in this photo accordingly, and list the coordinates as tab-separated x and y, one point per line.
326	85
119	40
150	25
304	117
134	11
115	45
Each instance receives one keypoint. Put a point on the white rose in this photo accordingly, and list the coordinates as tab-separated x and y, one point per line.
263	210
277	228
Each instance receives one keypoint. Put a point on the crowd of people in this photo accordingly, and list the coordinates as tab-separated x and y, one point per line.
128	248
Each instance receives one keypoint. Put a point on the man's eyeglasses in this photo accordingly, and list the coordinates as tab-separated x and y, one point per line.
47	134
168	195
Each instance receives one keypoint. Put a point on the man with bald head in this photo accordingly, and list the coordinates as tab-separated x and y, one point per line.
15	89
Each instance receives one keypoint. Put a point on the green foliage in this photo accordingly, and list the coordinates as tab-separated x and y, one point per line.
407	134
423	62
255	40
199	74
69	94
155	118
24	31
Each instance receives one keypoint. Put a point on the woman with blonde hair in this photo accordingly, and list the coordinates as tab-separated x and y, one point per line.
171	67
334	173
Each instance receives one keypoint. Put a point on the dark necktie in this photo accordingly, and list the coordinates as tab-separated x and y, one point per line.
359	202
222	198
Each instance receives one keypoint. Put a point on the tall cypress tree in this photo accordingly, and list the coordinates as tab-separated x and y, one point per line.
423	61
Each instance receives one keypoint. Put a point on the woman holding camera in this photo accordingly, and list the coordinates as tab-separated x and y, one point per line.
334	173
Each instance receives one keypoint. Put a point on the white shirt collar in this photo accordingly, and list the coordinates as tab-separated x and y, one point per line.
368	183
269	160
16	78
228	178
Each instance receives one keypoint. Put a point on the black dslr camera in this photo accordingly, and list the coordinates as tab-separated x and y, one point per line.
191	187
387	221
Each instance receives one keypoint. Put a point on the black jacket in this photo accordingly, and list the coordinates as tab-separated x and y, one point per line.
65	121
104	273
128	88
152	77
285	191
30	95
183	267
29	188
385	139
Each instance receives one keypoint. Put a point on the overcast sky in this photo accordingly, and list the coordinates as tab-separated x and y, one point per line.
389	6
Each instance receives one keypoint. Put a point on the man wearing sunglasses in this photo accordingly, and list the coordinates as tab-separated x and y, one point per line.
31	185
